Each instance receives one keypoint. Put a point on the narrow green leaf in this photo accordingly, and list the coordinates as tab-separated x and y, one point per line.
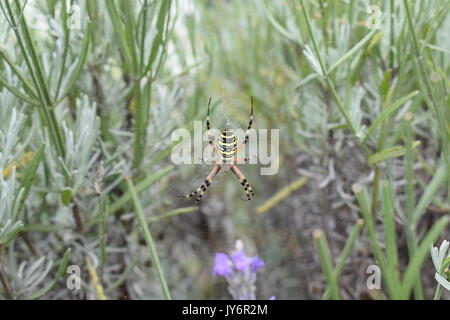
66	196
385	84
388	111
389	153
74	73
389	225
282	194
130	30
429	193
173	213
14	90
364	205
353	50
26	83
30	174
413	269
391	247
111	6
351	240
159	40
149	240
445	264
326	263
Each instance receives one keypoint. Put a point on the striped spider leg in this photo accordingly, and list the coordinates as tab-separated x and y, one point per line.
210	137
201	190
248	190
250	122
227	150
208	127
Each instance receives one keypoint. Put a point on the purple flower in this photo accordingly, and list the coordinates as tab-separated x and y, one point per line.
272	298
222	265
257	264
241	261
240	272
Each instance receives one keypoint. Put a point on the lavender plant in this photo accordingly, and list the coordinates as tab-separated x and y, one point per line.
441	261
10	197
240	271
11	147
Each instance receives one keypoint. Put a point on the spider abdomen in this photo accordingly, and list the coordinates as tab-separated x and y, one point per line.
227	145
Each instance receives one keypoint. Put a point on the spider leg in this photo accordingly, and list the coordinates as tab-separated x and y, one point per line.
242	160
208	128
250	122
248	190
201	190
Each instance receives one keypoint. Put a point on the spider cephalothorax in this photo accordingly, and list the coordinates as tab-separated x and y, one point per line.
226	149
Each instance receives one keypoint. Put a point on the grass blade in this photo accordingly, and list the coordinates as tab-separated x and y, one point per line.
282	194
325	261
353	50
390	239
351	240
172	213
30	175
413	269
389	153
429	193
387	112
148	239
111	6
75	72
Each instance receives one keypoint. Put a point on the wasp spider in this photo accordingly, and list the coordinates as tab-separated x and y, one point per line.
226	149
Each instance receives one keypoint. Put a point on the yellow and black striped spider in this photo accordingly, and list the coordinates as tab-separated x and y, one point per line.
227	150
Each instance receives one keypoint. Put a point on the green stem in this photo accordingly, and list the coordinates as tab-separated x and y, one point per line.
345	253
376	190
392	33
26	83
66	46
149	240
362	197
143	33
16	92
102	230
325	261
143	97
438	292
410	227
